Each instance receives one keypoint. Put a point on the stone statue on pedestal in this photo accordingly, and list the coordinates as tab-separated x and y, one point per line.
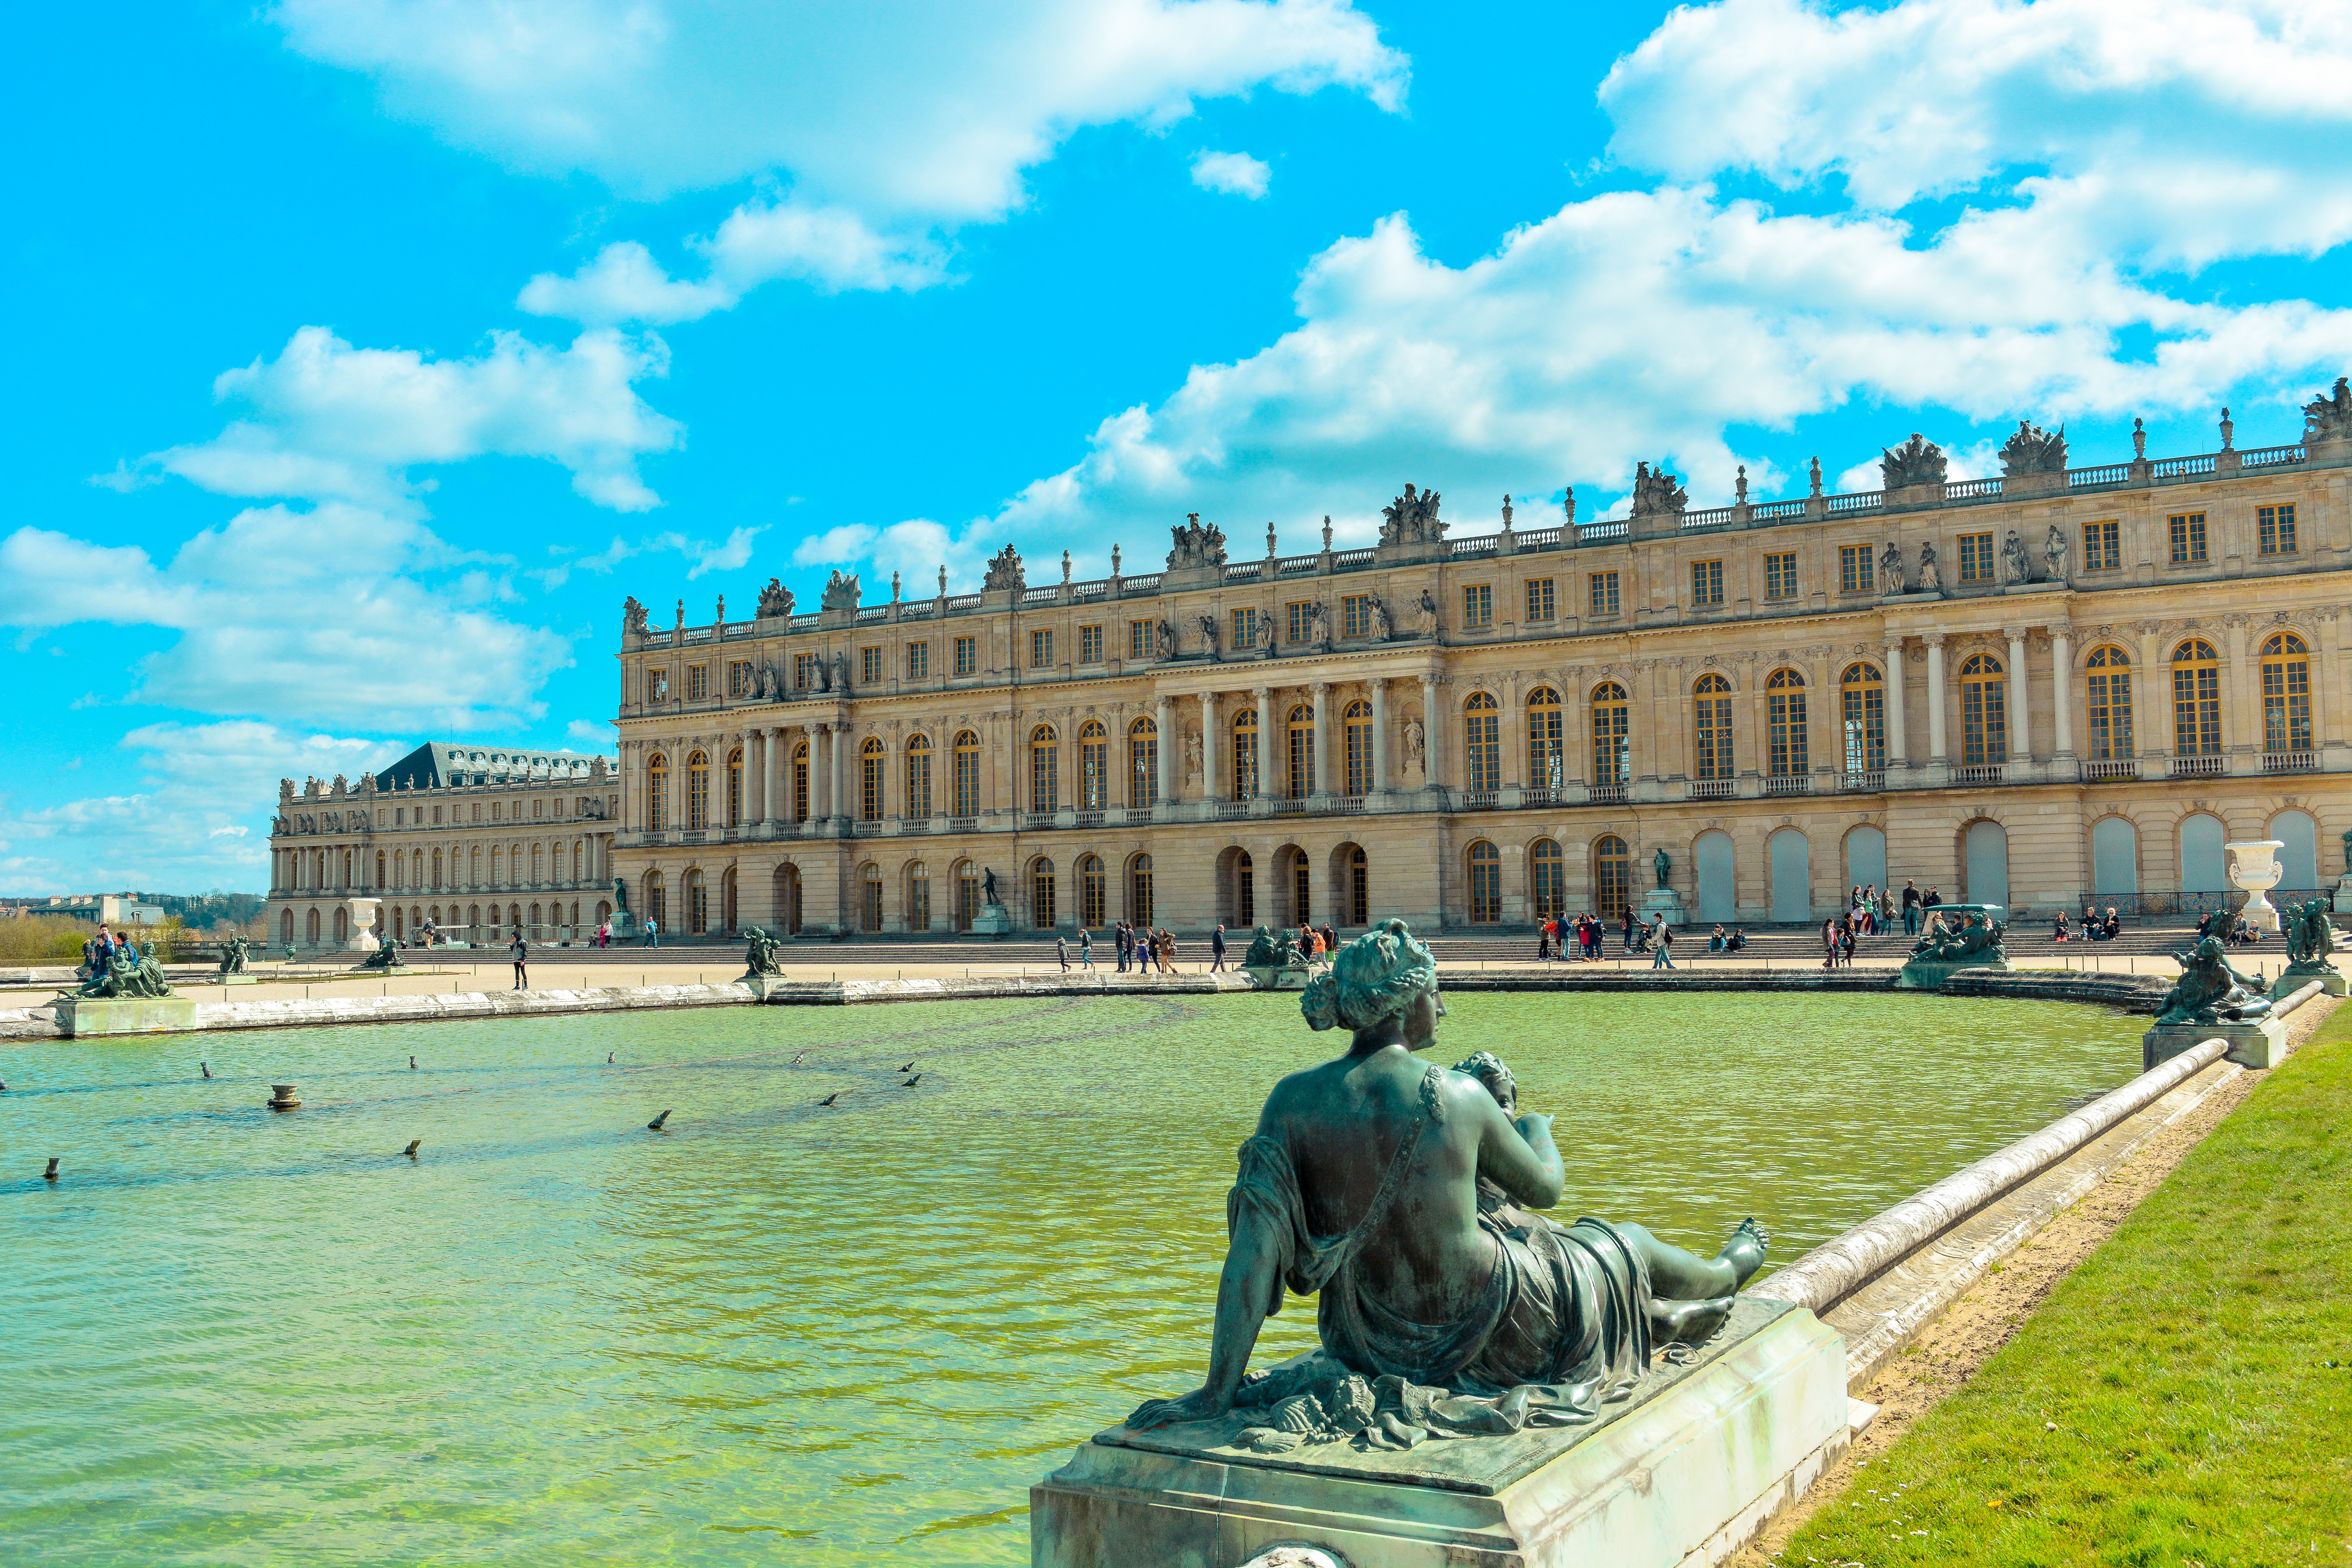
987	889
1662	865
620	896
1931	576
126	974
234	953
1441	1316
1890	569
2016	565
2211	991
760	949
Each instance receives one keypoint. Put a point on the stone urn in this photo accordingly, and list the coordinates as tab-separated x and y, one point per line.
2256	871
282	1097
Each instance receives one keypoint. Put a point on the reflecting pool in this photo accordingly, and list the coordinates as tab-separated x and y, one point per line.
777	1331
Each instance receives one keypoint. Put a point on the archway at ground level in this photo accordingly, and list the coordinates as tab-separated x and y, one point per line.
1791	856
1865	858
1984	863
2204	865
286	928
1237	903
2298	853
1352	885
2114	856
788	900
1717	868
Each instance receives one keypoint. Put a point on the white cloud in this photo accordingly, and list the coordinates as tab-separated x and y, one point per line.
597	732
1235	174
325	420
726	557
625	283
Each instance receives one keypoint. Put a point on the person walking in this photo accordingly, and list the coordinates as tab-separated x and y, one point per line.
1330	941
1167	951
1910	907
1217	948
1829	944
1086	948
653	932
520	950
1662	955
1062	952
1629	928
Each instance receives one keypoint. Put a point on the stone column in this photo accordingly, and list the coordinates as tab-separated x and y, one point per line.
2061	687
2020	711
778	808
1935	732
1897	747
678	753
2327	682
1320	748
755	793
1433	731
837	801
2151	695
1163	768
1210	788
820	807
1379	695
1266	742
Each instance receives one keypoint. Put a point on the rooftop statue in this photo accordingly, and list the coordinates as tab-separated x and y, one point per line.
1196	545
775	600
2210	991
2033	450
760	949
1918	461
632	618
841	593
1440	1316
1411	519
2328	417
1005	571
1657	490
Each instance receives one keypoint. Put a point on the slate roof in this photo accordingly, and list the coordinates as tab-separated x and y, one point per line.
438	764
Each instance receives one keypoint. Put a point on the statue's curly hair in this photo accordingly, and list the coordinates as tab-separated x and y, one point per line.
1373	977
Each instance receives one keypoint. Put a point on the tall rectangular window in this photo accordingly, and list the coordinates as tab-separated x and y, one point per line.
2274	529
1356	616
1539	599
1976	558
1138	640
2188	536
2102	550
918	662
1041	648
1856	569
740	681
1600	589
967	655
1090	645
1781	574
870	667
1246	628
2109	710
1477	606
1302	621
1706	583
697	682
805	669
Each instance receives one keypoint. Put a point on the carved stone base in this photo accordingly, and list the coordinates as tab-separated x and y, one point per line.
1275	977
1686	1472
90	1017
991	920
2260	1044
1930	974
2331	983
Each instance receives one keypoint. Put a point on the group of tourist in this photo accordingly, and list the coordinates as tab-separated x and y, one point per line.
1916	905
1142	950
1730	941
1870	909
1588	932
97	952
2094	928
2233	929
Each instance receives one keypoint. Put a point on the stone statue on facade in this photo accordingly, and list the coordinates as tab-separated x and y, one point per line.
775	600
1005	572
2016	565
1266	636
1890	569
1319	625
2053	553
760	949
2211	991
1441	1317
1655	491
1417	754
1163	638
632	618
1918	461
2328	417
2033	450
1931	576
1425	612
1192	754
234	953
1411	519
1383	624
1195	545
1209	635
840	671
768	683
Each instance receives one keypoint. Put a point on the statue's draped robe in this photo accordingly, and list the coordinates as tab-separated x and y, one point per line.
1562	1327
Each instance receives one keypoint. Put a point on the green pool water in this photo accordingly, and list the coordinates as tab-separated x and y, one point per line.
779	1332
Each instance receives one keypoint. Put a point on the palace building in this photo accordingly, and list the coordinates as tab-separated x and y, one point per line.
474	842
2062	685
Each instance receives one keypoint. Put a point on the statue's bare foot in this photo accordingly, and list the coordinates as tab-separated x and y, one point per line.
1745	1251
1687	1322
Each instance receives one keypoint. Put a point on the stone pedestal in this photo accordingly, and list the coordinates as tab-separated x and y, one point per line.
2344	896
1663	902
2297	977
991	920
1930	974
2258	1043
1276	977
1686	1471
92	1017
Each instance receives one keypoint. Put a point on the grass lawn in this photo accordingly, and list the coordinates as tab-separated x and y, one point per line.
2183	1397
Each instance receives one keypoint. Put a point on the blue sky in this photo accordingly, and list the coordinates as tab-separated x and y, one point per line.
367	354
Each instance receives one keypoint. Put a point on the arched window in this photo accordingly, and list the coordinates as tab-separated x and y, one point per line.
1359	887
657	892
1041	895
286	928
735	787
1486	883
698	904
872	759
2287	694
1244	889
1302	888
1091	891
2196	699
1784	703
800	782
697	790
1302	751
313	930
1045	772
869	900
537	872
437	871
1612	869
1547	879
1612	747
497	860
379	854
918	897
1138	879
1094	765
474	865
966	773
1482	742
1142	762
1711	729
1356	726
1861	696
1547	748
1246	755
1984	712
918	781
657	792
2108	710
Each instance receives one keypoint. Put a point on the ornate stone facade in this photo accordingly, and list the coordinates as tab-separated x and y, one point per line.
478	840
2090	678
